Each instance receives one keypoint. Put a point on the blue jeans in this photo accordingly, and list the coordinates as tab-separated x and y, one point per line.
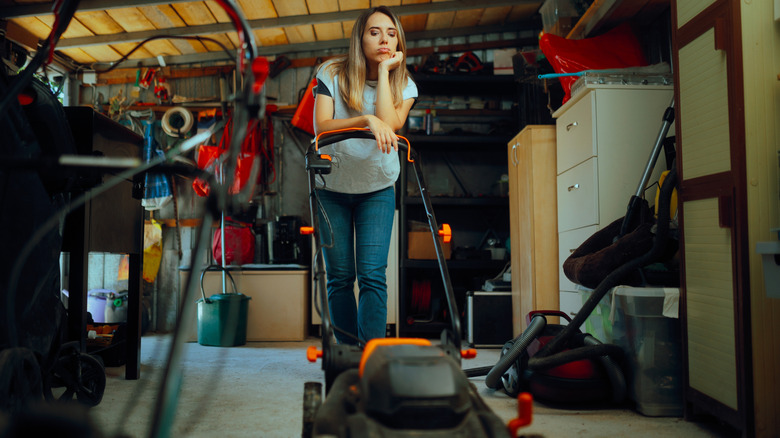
361	228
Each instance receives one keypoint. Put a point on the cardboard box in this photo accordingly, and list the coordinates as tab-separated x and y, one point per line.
502	61
420	246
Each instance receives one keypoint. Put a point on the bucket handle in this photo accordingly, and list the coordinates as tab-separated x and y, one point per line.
215	268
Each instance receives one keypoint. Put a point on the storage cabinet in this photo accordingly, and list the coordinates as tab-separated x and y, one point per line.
533	223
463	164
278	304
605	135
728	111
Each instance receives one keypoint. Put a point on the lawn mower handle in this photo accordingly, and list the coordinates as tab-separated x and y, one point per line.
315	165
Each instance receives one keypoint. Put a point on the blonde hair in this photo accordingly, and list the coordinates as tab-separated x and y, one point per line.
351	69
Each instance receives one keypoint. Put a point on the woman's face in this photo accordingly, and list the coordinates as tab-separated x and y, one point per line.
380	38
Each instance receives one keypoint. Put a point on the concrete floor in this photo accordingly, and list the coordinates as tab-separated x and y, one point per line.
256	391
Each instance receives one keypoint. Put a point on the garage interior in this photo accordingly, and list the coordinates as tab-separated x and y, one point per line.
112	254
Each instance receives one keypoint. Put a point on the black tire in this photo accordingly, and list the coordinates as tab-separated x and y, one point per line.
312	400
83	377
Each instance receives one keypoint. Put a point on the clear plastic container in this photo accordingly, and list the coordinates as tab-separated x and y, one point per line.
558	16
653	348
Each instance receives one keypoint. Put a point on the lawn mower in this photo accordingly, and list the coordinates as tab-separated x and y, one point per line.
391	387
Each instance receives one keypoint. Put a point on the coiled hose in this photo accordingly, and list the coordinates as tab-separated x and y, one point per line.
535	327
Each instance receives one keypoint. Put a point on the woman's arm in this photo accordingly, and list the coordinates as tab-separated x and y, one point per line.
385	136
395	117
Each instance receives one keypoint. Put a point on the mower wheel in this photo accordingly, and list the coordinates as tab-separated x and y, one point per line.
312	400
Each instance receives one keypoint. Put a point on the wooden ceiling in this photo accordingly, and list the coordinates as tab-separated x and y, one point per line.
103	31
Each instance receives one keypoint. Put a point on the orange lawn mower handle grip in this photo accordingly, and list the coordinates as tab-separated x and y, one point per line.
329	137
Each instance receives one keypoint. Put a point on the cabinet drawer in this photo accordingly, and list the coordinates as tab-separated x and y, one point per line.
578	196
574	130
568	242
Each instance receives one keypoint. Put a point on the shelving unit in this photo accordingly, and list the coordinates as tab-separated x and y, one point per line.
462	165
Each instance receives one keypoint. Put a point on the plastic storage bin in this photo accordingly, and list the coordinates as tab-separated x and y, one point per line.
107	306
599	325
558	16
653	348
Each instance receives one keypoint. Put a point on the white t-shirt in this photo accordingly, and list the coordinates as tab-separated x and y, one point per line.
358	164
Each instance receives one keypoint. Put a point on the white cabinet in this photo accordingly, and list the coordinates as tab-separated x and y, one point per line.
605	135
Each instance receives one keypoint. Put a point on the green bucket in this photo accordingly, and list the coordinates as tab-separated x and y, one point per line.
222	317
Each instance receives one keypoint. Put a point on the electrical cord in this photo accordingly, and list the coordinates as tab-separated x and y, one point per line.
157	37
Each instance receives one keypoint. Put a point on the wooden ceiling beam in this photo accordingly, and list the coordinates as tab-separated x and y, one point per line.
276	22
322	46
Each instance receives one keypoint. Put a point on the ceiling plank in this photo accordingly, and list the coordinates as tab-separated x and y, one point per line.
140	53
525	10
295	33
325	31
256	9
131	20
493	16
328	31
34	26
348	5
271	37
467	18
414	23
98	22
102	52
195	14
218	12
289	8
440	20
299	34
79	56
165	17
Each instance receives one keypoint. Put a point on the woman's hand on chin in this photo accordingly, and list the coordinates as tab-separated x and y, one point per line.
393	61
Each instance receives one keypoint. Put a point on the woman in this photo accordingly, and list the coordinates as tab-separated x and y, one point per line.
368	88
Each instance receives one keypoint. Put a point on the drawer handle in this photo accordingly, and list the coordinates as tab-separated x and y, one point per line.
573	187
571	125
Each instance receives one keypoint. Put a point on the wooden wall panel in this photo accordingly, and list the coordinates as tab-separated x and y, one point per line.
760	45
710	303
702	75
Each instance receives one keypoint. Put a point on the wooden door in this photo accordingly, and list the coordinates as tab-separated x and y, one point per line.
713	205
533	223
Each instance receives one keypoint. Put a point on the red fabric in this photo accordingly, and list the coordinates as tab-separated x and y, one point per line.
239	244
304	116
618	48
210	159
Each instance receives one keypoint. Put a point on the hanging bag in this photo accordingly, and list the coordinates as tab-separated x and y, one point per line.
211	160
